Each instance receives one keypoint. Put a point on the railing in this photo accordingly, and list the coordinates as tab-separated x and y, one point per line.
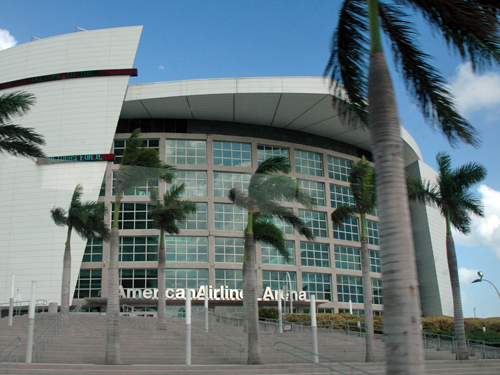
314	359
228	345
7	352
139	318
41	305
44	338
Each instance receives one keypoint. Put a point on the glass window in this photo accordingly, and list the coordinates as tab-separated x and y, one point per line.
121	144
232	154
93	250
195	181
223	182
347	258
372	232
187	278
229	249
350	288
102	192
229	217
139	278
138	249
339	169
137	190
377	291
277	280
186	249
376	264
354	312
285	227
315	189
271	256
88	284
186	151
314	254
196	220
233	279
308	163
265	152
316	221
134	216
318	284
341	195
348	231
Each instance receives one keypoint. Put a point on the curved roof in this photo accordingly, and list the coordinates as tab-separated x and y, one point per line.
297	103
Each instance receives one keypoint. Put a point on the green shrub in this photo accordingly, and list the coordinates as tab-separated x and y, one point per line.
268	313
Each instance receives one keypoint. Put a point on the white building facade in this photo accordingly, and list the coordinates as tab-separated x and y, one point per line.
215	132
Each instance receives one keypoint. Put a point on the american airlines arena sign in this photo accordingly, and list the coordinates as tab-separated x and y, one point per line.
69	75
222	293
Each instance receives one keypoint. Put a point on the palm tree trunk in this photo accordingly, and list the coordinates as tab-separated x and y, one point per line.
66	280
113	306
162	314
367	294
250	295
457	299
402	313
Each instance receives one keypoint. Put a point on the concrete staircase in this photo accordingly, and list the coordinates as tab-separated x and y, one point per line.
81	350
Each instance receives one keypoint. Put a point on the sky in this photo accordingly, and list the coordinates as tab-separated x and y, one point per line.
190	39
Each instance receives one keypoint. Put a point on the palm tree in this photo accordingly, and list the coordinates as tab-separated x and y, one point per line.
362	180
138	166
166	213
450	193
86	219
267	187
14	139
471	28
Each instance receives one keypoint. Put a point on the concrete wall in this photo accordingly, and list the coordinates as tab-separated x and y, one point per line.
76	116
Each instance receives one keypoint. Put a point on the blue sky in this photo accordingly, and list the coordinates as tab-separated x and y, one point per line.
253	38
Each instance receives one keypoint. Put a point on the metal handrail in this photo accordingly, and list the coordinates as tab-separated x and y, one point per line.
220	339
4	354
43	339
313	362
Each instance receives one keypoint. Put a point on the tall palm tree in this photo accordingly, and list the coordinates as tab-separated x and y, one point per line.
166	213
138	166
87	220
14	139
357	62
450	193
267	187
362	180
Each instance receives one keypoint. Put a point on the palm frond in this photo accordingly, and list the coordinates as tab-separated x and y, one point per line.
421	192
170	210
422	81
469	174
469	27
347	63
362	181
342	213
15	104
139	165
274	164
270	234
59	217
21	142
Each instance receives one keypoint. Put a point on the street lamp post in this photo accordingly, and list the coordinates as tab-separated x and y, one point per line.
480	274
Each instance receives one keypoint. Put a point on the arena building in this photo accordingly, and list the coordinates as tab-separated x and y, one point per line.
215	132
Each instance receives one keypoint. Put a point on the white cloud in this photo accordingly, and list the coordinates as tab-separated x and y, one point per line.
161	67
475	92
6	40
466	276
485	231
